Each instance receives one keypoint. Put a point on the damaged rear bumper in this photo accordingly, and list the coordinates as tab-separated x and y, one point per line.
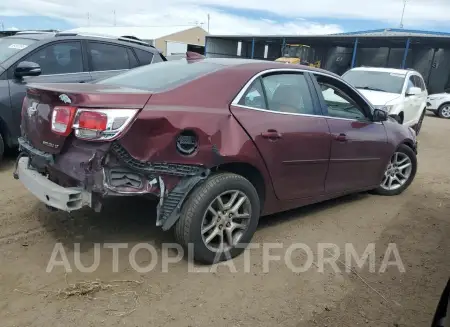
53	195
82	177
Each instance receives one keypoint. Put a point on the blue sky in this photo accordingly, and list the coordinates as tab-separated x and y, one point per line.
232	17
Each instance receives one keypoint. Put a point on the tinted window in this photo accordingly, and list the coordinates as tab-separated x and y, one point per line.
376	81
144	57
339	103
254	96
418	82
59	58
108	57
410	83
163	75
288	93
133	61
10	46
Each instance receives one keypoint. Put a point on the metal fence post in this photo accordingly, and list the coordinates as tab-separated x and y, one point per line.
253	48
355	48
405	55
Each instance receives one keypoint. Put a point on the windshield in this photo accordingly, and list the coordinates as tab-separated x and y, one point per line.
375	81
295	51
163	75
10	46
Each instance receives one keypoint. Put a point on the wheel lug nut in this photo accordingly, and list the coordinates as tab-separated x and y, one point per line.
230	215
228	225
220	226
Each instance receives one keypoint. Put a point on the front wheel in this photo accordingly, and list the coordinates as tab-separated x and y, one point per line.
399	173
219	218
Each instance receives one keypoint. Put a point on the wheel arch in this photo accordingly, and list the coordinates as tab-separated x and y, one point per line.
251	173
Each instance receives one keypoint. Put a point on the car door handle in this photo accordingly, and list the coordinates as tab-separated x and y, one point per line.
341	137
271	134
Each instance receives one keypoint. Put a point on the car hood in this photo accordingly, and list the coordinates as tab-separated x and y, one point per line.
378	98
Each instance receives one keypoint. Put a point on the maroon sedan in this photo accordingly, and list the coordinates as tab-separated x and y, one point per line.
220	142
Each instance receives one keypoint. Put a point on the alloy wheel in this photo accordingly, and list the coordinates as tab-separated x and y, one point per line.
445	112
397	172
225	220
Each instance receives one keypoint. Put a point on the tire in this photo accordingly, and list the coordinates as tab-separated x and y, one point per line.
444	111
403	151
2	147
195	214
420	122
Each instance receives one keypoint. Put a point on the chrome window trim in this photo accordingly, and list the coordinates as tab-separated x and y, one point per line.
241	93
303	115
94	71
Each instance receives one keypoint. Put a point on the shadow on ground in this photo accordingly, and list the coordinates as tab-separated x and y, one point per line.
132	220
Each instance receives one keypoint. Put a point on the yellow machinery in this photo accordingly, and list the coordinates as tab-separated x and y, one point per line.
299	54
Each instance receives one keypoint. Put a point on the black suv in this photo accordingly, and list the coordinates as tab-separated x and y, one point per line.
36	57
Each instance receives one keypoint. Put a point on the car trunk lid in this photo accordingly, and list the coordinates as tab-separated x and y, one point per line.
42	99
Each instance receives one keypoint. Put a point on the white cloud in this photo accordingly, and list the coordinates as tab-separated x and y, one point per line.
299	15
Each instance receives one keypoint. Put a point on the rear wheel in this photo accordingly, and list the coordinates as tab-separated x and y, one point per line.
219	218
399	173
444	111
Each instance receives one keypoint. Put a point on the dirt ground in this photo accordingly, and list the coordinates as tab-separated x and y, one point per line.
418	222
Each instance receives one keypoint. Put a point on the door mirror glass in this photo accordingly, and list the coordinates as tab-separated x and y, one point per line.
27	68
413	91
380	115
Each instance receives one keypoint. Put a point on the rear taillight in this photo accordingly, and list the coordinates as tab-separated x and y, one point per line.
102	124
62	119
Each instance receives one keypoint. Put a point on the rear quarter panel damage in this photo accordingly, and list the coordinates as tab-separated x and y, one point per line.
198	107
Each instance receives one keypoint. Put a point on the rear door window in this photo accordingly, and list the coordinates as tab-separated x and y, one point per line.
106	56
288	93
59	58
144	57
254	96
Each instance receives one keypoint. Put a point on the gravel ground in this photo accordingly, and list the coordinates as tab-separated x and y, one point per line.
418	222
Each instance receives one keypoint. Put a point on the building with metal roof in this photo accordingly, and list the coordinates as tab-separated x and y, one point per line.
425	51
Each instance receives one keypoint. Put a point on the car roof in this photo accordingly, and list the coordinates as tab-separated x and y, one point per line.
31	36
385	70
51	36
261	65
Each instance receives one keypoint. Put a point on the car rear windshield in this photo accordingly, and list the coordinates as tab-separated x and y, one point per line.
162	76
375	81
10	46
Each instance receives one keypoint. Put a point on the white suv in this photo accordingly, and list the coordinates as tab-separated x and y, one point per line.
439	104
400	92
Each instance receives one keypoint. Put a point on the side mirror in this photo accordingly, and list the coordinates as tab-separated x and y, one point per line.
27	68
413	91
380	115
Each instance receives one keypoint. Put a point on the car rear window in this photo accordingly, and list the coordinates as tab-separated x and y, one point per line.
162	76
